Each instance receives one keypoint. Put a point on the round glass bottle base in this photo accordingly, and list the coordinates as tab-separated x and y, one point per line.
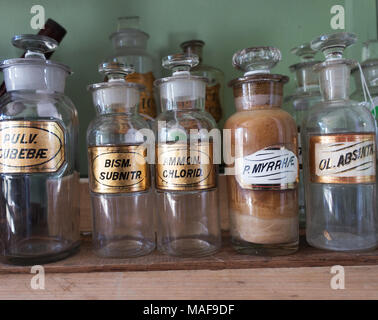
40	251
257	249
190	247
125	248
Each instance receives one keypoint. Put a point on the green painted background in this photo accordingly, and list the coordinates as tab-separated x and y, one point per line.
226	26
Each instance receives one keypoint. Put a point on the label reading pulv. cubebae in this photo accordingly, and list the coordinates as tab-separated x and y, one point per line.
272	168
31	146
185	167
118	169
343	158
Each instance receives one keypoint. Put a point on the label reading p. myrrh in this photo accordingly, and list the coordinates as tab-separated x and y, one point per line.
343	158
31	146
118	169
271	168
184	167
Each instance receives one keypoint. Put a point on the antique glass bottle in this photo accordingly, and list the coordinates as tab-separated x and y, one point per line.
339	158
262	189
39	174
215	84
304	97
119	175
130	45
186	173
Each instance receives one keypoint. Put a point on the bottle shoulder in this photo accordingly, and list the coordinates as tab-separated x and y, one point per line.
339	116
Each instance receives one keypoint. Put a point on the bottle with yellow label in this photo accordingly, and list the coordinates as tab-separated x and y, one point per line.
186	170
215	84
39	174
130	44
119	174
339	147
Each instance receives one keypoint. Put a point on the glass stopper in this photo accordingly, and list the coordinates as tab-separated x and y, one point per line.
304	52
132	22
256	60
35	45
180	62
114	70
370	50
333	45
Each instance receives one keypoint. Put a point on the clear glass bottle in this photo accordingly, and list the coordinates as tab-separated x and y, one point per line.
130	44
339	158
119	175
215	84
304	97
262	191
186	175
39	174
369	68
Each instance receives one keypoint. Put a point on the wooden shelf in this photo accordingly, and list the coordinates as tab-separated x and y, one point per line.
86	261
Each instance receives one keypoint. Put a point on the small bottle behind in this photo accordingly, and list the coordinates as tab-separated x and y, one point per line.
186	175
339	157
304	97
119	175
215	84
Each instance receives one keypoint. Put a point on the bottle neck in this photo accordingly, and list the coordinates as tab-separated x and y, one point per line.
258	95
193	49
307	79
120	109
334	81
134	39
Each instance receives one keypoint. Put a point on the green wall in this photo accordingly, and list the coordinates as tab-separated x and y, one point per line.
226	26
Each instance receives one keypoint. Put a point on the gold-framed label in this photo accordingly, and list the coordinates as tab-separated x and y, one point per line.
184	167
343	158
31	146
118	169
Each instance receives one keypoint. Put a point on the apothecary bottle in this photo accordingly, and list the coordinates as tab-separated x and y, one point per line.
186	170
39	174
262	181
130	48
339	158
119	174
215	84
369	68
306	94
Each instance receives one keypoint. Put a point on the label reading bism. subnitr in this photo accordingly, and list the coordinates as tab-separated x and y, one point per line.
272	168
343	158
184	167
118	169
31	146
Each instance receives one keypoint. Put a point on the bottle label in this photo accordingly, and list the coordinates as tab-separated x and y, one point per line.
271	168
184	167
31	146
118	169
343	158
213	103
147	104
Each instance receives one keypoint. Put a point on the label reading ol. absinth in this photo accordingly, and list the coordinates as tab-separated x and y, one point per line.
31	146
343	158
272	168
184	167
118	169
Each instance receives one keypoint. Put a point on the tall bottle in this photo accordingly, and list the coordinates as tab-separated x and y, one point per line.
186	175
215	84
262	191
339	158
130	44
304	97
119	175
39	174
